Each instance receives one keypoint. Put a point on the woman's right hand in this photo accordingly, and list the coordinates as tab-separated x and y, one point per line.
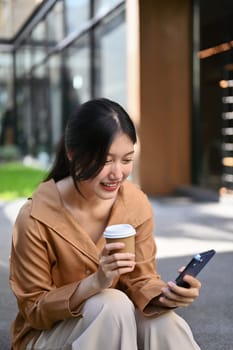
113	265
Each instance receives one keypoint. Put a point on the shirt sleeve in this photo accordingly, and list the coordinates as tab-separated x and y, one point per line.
40	302
144	284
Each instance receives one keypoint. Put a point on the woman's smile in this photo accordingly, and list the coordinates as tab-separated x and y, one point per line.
110	186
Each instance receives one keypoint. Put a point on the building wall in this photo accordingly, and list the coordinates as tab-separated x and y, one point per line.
165	95
156	89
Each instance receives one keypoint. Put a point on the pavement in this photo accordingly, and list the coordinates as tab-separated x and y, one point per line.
183	228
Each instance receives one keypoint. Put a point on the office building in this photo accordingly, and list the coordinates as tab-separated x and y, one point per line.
169	63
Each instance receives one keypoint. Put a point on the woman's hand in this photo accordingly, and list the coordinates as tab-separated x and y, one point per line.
175	296
113	265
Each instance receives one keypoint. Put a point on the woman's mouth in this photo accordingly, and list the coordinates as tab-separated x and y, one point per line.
110	186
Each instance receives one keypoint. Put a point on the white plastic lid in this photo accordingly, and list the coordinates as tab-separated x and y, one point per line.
119	231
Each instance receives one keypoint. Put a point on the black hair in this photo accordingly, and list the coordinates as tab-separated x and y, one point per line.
88	136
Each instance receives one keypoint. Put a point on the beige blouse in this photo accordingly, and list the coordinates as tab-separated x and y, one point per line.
51	254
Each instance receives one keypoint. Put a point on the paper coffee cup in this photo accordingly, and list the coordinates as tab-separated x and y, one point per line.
121	233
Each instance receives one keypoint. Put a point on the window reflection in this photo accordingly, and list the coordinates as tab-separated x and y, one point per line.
38	42
77	13
20	62
54	73
101	6
55	24
6	105
40	117
55	98
77	74
110	51
25	138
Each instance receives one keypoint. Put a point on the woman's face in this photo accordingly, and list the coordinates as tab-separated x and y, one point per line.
118	166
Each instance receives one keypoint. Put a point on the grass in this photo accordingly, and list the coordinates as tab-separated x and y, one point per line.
18	180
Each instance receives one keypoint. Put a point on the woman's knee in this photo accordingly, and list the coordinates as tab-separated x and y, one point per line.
169	330
169	320
111	300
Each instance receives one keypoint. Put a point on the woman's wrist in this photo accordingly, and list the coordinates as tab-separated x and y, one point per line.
100	282
88	287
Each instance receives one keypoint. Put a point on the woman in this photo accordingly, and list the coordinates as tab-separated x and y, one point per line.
72	293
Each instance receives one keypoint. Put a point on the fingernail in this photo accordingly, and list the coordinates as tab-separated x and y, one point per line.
171	284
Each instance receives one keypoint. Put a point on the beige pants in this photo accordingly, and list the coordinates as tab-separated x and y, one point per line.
110	321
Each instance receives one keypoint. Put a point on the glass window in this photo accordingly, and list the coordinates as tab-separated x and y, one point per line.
76	77
110	51
39	33
25	137
55	98
6	100
55	24
38	42
77	13
40	107
27	58
19	59
101	6
23	58
214	137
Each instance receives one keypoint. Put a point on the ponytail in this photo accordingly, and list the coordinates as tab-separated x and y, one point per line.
61	166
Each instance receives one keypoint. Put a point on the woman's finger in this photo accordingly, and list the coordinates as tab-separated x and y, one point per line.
174	303
192	291
192	281
181	269
112	246
170	295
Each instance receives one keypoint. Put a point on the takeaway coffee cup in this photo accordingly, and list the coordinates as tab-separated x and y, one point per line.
121	233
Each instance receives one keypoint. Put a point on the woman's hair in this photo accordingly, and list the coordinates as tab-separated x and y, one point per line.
87	138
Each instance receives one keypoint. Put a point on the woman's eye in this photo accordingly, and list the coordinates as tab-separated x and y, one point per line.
128	160
108	161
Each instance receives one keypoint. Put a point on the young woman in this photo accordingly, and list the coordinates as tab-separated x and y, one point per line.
72	293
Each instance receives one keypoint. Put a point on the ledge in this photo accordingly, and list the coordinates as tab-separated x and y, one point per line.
197	193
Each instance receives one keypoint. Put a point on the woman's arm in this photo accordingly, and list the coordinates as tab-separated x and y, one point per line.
174	296
111	266
41	300
144	285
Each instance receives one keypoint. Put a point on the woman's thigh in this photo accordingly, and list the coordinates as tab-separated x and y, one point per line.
106	317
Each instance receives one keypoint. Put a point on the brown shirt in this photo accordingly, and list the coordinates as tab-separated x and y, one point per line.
51	254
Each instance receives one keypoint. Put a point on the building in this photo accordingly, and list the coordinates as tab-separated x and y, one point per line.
169	63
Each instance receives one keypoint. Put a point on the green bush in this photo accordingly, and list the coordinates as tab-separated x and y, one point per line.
18	180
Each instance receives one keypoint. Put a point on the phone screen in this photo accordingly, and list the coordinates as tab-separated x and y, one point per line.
194	267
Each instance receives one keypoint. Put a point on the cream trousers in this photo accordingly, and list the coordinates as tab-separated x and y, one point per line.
110	321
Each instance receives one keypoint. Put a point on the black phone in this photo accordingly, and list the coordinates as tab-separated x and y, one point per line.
194	267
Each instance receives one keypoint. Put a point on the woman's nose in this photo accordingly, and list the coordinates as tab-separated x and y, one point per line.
116	171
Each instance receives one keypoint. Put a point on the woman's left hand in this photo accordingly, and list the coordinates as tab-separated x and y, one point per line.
175	296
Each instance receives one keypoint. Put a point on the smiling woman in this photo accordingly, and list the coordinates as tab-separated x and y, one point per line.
69	281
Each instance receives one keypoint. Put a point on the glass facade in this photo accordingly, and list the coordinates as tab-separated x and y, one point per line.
78	72
77	14
215	108
6	99
72	51
110	51
55	25
65	59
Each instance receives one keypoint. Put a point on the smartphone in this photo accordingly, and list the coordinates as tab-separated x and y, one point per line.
194	267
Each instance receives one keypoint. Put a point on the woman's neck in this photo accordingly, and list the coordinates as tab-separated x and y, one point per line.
92	213
74	200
